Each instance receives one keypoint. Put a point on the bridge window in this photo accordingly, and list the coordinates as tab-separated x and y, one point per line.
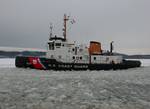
58	44
51	46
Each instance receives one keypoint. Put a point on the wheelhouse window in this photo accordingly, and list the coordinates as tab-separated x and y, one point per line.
58	44
51	45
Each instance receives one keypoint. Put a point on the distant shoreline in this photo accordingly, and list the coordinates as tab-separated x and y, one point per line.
13	54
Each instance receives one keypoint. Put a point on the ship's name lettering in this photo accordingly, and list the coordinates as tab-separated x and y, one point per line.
80	66
52	65
65	66
69	66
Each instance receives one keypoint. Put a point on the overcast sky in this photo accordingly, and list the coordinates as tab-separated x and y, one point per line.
25	23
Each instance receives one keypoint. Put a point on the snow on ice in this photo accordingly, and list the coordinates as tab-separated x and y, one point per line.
7	62
39	89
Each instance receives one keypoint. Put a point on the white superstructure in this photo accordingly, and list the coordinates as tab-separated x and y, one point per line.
63	51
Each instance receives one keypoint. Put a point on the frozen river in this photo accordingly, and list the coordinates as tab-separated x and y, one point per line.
38	89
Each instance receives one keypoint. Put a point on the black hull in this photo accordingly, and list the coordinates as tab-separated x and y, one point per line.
52	64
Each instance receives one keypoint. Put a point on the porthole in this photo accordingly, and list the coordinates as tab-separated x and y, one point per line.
94	58
73	57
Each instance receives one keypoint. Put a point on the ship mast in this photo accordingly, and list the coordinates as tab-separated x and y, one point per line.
66	18
51	31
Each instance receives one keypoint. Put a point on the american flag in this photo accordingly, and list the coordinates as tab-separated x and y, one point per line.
72	21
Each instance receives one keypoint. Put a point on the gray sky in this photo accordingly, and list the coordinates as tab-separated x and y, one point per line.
25	23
